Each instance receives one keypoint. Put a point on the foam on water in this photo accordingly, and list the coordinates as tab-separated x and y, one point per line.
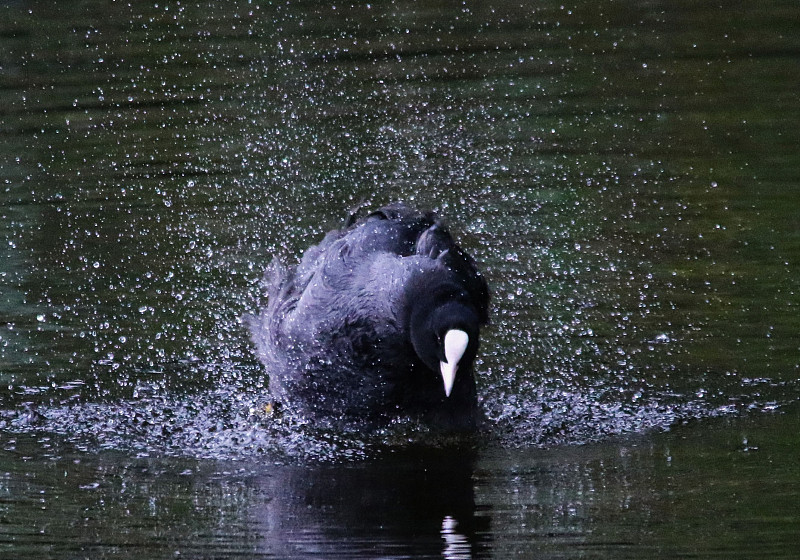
234	423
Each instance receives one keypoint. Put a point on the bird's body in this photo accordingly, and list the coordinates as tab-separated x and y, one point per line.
357	329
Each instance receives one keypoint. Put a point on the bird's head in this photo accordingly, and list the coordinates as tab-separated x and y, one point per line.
445	336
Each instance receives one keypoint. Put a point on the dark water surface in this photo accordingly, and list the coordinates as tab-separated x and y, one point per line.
627	174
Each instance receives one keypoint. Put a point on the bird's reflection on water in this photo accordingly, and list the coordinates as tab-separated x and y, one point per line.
457	545
417	502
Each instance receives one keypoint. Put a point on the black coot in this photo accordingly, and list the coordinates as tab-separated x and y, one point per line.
381	319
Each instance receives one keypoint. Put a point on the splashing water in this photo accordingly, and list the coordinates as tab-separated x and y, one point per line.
631	289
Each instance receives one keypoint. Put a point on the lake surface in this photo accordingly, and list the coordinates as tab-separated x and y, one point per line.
626	173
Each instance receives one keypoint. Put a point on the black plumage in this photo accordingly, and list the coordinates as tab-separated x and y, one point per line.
357	330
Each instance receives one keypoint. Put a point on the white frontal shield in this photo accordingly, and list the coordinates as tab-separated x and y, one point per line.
455	344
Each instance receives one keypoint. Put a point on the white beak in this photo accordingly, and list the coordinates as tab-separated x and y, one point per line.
455	344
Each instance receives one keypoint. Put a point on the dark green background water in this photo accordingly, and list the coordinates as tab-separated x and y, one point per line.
626	173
